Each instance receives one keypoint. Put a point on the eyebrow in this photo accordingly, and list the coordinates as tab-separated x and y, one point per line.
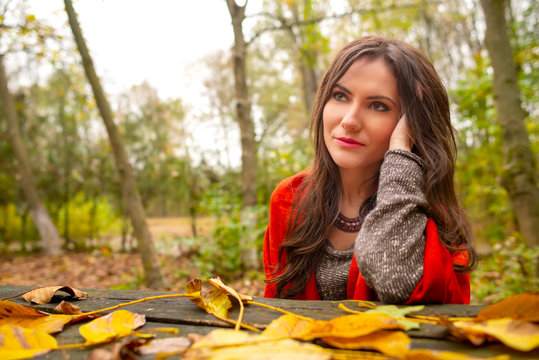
373	97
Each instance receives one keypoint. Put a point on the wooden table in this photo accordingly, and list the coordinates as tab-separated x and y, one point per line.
182	314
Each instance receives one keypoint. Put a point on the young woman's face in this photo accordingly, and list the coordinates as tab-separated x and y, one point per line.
361	114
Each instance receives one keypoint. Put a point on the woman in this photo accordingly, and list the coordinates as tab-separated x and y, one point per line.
376	216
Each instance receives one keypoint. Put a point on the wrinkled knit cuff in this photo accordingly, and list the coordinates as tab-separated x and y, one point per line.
390	245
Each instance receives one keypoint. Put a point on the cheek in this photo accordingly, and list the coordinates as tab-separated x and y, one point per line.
384	130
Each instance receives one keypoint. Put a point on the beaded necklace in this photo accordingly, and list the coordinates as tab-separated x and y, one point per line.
347	224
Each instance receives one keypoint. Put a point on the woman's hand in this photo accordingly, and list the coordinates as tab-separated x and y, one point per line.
401	137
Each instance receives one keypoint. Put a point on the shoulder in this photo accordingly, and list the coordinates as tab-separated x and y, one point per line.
288	188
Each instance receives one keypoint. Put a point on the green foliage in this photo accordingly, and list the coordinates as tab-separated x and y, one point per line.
89	219
506	270
232	240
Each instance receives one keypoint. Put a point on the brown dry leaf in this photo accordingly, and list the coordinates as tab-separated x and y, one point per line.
215	301
117	324
100	354
44	295
20	343
169	345
26	317
520	335
392	343
523	307
218	283
67	308
239	345
421	354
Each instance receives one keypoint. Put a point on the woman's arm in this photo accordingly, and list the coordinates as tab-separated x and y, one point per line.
390	245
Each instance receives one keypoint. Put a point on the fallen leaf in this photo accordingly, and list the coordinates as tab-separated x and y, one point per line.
393	311
239	345
281	328
218	283
352	326
523	307
169	345
392	343
30	318
396	311
459	334
44	295
520	335
421	354
117	324
100	354
67	308
9	309
399	314
20	343
215	301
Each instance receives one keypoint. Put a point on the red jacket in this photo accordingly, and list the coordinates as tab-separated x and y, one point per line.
439	284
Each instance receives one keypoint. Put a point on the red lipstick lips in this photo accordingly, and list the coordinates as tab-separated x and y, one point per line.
349	143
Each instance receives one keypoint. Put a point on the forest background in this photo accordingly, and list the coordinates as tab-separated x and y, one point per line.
143	191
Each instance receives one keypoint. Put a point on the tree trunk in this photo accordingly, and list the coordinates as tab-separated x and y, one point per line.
243	107
50	241
150	260
519	175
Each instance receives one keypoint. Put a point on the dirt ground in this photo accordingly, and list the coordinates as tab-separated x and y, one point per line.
105	269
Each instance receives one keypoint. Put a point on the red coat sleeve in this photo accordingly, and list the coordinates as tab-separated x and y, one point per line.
440	283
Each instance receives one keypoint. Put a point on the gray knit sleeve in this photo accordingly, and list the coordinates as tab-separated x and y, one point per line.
390	245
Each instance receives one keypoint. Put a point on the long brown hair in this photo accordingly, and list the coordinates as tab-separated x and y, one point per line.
424	101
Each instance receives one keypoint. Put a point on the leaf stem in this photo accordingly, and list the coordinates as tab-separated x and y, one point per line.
135	302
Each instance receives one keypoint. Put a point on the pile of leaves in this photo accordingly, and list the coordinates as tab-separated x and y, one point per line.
374	332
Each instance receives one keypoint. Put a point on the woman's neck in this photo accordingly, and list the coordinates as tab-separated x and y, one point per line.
356	187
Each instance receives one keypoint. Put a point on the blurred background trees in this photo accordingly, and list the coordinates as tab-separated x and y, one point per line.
285	47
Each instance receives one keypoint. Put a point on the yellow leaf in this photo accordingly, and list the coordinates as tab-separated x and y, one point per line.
44	295
421	354
239	345
20	343
520	335
26	317
218	283
523	307
309	329
392	343
114	325
215	301
10	309
281	328
352	326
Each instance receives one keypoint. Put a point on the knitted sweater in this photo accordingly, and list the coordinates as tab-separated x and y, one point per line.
398	261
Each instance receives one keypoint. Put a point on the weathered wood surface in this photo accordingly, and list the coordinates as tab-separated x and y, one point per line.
181	313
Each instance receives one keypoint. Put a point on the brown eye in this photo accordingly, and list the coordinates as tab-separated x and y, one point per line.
378	106
339	96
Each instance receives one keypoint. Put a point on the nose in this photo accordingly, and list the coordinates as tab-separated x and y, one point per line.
351	120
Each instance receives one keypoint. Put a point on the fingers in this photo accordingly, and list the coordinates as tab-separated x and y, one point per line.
401	137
